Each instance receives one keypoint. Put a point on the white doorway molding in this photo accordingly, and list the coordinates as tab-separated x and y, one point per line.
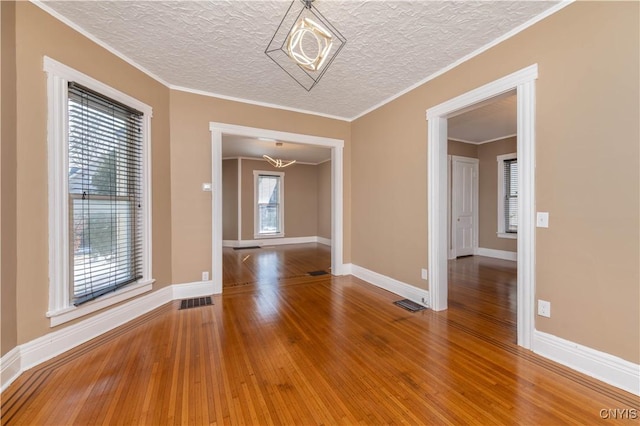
336	146
523	82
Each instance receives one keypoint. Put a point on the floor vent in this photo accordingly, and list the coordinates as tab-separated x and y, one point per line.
247	248
410	305
317	273
195	302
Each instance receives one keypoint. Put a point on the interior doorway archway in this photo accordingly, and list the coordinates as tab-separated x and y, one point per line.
336	146
523	82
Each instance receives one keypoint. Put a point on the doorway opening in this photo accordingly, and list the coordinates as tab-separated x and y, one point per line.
336	147
483	222
523	82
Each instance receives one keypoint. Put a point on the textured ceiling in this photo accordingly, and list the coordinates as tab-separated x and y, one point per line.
239	146
493	120
218	46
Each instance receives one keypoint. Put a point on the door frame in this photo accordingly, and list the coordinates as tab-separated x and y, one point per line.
475	189
523	81
336	146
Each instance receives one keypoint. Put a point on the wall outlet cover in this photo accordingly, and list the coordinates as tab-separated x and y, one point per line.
544	308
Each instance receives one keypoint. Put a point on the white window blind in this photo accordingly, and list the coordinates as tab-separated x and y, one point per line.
511	196
105	194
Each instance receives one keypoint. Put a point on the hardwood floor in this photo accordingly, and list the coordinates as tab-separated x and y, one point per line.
312	350
483	296
267	265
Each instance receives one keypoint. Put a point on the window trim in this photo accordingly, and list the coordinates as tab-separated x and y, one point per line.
501	229
60	308
256	225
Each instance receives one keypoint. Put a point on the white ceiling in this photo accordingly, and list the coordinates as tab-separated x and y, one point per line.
493	120
240	146
218	46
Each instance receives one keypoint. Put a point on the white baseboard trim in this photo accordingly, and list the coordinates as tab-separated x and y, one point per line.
405	290
195	289
32	353
600	365
498	254
275	241
9	367
325	241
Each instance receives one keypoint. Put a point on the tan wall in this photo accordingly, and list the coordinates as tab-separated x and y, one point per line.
587	156
324	200
488	194
39	34
191	165
462	149
230	199
300	198
8	170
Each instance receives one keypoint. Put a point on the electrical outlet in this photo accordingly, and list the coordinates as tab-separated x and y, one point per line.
205	276
544	308
424	274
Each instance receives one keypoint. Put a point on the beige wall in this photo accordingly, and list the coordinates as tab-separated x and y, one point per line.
8	169
230	199
587	156
462	149
191	165
38	34
300	198
324	200
488	194
586	97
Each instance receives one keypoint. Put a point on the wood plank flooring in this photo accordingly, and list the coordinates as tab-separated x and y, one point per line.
313	350
269	264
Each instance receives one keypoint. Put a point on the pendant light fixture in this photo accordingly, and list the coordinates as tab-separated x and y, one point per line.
305	43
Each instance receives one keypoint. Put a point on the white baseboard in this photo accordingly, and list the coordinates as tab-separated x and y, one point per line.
32	353
195	289
600	365
498	254
275	241
325	241
405	290
9	367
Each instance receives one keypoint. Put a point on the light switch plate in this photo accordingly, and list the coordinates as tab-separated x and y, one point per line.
542	220
423	274
206	187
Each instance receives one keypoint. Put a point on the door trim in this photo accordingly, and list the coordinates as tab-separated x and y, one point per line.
475	189
336	146
523	81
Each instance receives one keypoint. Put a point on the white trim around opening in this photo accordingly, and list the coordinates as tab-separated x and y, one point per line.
523	81
336	146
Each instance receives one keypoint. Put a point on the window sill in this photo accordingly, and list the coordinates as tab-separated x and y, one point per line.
72	312
508	235
260	236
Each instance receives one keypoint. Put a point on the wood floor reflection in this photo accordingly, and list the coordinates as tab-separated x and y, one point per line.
267	265
309	350
483	295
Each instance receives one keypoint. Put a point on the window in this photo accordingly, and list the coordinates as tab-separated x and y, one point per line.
99	195
508	196
269	215
105	193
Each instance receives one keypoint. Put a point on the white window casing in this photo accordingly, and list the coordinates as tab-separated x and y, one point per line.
256	210
60	308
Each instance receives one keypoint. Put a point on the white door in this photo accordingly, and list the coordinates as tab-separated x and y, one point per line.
464	203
